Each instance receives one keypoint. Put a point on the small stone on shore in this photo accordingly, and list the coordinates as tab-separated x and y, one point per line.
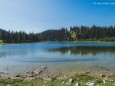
63	82
19	75
87	72
70	81
77	84
104	81
102	75
90	84
7	85
44	74
43	67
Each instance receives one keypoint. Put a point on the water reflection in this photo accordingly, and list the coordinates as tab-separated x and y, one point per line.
12	53
84	50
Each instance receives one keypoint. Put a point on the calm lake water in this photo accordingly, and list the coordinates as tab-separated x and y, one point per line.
59	57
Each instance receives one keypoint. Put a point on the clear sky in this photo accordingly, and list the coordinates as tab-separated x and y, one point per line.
40	15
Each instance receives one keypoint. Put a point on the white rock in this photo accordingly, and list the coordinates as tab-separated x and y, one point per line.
26	71
102	75
108	79
63	83
89	84
44	81
87	72
104	81
43	67
44	74
70	81
111	80
77	84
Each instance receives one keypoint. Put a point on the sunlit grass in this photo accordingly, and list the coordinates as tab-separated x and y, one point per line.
82	79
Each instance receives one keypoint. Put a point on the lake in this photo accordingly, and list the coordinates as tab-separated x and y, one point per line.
59	57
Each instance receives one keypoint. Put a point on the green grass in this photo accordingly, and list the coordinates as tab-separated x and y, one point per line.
1	42
82	79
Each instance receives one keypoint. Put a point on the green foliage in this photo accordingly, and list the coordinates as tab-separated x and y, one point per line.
1	41
17	37
82	33
73	35
82	79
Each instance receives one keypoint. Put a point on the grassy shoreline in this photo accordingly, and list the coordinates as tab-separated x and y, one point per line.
82	79
42	79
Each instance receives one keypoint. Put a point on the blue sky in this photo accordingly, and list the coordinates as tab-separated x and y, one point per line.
40	15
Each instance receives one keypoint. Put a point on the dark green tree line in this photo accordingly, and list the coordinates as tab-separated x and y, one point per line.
18	37
72	34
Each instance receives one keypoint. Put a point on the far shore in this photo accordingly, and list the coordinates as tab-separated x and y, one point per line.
3	43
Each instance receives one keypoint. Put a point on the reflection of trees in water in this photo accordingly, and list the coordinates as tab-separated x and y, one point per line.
83	50
11	53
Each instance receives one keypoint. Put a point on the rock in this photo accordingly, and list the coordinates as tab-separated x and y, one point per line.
104	81
90	84
40	71
47	79
19	75
37	71
32	72
28	75
7	73
24	76
75	72
63	82
44	81
53	78
66	75
43	67
87	72
57	75
77	84
2	73
31	75
44	74
7	85
111	80
108	79
69	82
102	75
26	71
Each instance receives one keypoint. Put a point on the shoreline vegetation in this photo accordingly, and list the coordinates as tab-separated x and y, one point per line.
77	80
39	78
106	40
88	41
75	33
